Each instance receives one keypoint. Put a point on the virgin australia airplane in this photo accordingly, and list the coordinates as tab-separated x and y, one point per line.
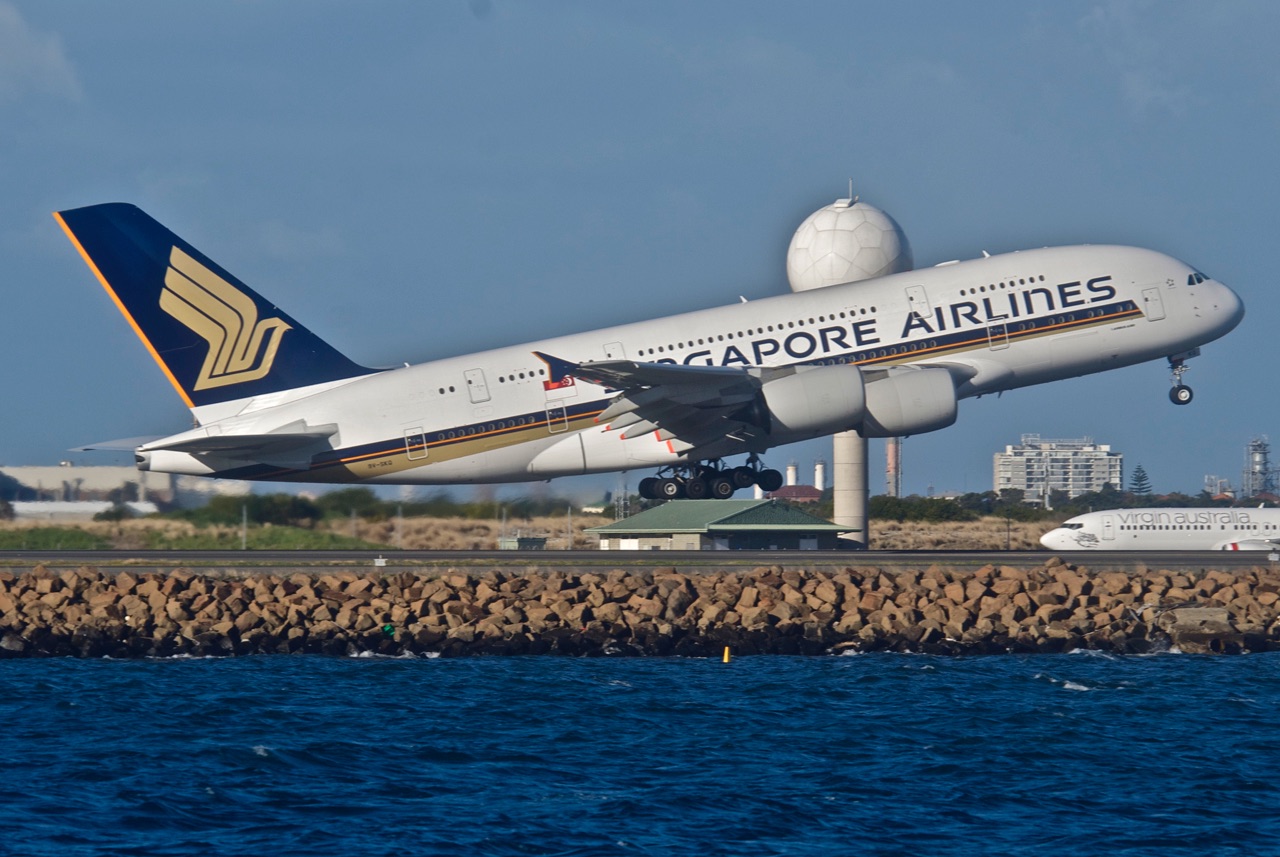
1169	529
886	357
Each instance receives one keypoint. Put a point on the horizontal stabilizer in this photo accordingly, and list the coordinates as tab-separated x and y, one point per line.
245	445
292	449
124	444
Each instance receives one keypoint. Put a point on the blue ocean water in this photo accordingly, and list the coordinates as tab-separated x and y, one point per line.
870	754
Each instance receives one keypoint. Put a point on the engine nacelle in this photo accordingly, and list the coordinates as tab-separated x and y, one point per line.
823	400
815	401
909	401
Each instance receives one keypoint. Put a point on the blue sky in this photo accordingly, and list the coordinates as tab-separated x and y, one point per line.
416	180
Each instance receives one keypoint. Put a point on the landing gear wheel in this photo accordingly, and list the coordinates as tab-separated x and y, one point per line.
743	477
669	489
722	487
1181	393
648	488
769	480
696	488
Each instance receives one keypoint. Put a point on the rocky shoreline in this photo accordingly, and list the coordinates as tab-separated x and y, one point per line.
995	609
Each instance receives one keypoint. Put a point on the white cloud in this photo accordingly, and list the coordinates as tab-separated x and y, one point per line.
31	62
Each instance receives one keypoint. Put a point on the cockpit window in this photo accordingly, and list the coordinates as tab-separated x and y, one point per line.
1196	278
1071	526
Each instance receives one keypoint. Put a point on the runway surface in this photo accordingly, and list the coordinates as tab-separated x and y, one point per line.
689	561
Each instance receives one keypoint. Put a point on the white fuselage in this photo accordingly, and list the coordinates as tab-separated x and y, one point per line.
996	323
1168	529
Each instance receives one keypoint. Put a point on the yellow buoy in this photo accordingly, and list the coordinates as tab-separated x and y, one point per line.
727	657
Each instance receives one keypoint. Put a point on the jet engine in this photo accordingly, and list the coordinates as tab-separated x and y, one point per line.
909	401
821	400
814	401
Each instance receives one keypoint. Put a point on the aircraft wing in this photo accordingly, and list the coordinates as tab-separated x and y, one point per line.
698	406
624	374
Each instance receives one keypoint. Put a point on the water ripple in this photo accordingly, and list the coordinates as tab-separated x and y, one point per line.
880	754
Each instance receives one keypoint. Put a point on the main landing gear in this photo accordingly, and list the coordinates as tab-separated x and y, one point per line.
708	481
1180	394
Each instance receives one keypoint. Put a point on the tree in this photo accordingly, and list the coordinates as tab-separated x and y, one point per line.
12	489
980	503
361	501
1138	482
1012	496
126	493
883	507
118	512
274	509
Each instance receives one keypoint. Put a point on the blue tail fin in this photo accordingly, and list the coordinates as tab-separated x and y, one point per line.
215	338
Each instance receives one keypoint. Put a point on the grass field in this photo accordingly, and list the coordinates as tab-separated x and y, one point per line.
452	534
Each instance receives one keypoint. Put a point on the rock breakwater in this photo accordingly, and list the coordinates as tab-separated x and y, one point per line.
1055	608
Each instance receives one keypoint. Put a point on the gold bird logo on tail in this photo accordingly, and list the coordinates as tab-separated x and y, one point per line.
226	317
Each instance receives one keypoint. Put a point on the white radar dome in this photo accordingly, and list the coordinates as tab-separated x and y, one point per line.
844	242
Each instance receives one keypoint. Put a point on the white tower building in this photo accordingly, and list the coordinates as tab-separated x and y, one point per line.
845	242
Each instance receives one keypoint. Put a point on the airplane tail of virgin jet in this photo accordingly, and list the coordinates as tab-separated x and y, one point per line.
214	337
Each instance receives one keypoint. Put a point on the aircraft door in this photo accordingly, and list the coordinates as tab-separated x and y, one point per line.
998	335
614	351
1108	528
557	417
918	301
1152	304
415	443
477	389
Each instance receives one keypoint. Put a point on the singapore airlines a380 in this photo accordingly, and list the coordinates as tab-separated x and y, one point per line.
680	395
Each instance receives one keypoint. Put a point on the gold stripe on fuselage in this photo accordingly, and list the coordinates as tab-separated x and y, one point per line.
360	467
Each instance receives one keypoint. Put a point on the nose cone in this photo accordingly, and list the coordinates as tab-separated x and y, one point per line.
1228	309
1052	539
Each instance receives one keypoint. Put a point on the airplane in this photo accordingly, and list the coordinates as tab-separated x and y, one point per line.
1193	529
887	357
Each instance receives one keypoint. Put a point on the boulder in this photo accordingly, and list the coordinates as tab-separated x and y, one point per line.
1202	630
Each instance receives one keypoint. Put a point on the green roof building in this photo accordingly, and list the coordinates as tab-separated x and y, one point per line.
721	525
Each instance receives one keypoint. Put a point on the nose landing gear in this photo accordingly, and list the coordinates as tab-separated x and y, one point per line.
708	481
1180	394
